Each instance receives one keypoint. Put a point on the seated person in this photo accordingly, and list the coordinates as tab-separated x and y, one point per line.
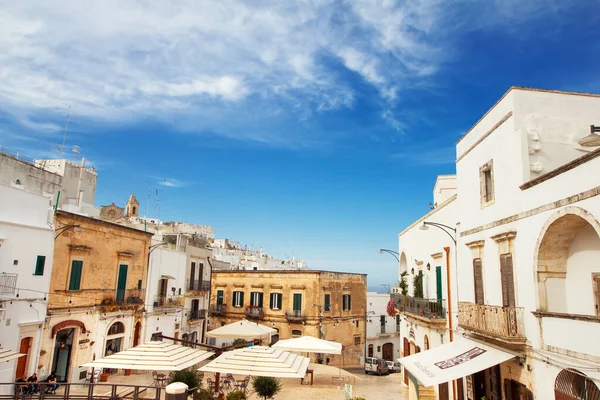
22	385
33	383
52	385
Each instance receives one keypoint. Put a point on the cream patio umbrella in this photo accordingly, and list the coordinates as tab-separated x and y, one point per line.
8	355
157	356
243	329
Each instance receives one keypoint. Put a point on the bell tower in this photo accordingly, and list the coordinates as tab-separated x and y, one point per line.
132	207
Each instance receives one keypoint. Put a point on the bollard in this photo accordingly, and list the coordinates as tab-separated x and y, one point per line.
176	391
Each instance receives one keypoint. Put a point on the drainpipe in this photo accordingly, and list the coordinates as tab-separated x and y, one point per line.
449	314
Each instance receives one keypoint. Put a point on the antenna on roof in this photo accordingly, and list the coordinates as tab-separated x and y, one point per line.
62	147
157	206
147	202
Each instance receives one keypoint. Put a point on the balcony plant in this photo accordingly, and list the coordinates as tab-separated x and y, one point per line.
391	308
418	286
403	284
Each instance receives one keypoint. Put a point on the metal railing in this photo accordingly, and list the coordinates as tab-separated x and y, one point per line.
129	296
8	283
218	309
255	312
382	328
87	391
197	285
427	308
295	315
168	301
504	322
196	314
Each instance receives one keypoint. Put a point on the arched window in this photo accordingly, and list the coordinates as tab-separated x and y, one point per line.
296	333
572	384
116	328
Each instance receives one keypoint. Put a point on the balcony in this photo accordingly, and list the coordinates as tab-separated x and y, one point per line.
8	283
499	324
295	315
113	300
196	315
168	301
219	309
254	312
432	310
199	286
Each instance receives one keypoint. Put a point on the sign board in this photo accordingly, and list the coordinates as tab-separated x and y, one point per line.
347	392
84	341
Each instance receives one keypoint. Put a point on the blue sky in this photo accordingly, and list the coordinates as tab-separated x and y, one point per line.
312	128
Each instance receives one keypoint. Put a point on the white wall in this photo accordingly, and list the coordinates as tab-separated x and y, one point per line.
584	259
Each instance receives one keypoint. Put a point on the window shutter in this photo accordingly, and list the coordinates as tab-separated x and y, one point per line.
39	265
219	297
478	280
349	302
201	272
192	275
508	282
75	281
279	300
507	389
241	299
260	299
297	302
235	295
596	278
271	301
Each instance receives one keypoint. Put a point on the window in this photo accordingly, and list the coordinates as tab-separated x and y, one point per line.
140	285
39	265
75	280
507	279
382	321
596	282
370	351
357	341
256	299
346	302
116	328
297	306
238	299
397	322
486	183
275	302
378	349
356	322
296	333
192	275
327	302
478	280
220	295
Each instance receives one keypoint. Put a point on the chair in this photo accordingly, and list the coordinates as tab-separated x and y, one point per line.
162	379
229	382
155	379
210	383
243	385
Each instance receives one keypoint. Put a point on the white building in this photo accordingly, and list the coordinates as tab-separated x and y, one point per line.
383	331
427	251
26	251
247	259
528	247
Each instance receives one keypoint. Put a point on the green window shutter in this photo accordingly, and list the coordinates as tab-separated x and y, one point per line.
219	297
349	302
279	300
297	302
235	294
139	284
260	299
39	265
327	302
272	300
76	269
241	299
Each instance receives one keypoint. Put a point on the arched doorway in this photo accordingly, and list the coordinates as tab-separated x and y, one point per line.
63	346
571	384
387	351
22	361
566	258
114	342
136	333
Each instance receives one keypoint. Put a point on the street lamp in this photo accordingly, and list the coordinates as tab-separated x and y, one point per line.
65	228
392	252
443	227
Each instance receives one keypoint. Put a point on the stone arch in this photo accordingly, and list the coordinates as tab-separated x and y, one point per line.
553	248
403	265
571	384
68	323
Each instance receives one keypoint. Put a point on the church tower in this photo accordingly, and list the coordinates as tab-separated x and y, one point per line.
132	207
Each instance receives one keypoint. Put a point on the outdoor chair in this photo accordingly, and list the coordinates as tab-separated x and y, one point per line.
155	379
210	383
243	385
229	382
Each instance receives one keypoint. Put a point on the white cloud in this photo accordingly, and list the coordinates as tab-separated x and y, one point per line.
170	182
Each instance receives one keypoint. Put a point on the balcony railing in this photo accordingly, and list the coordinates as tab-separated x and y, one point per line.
255	312
8	283
502	322
122	297
196	314
218	309
295	315
382	328
426	308
196	285
168	301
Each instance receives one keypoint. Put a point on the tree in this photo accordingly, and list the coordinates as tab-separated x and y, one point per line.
236	395
238	341
418	286
403	284
187	376
266	387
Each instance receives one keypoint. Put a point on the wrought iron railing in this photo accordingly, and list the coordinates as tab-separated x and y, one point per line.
427	308
196	314
129	296
168	301
197	285
295	315
504	322
8	283
255	312
218	309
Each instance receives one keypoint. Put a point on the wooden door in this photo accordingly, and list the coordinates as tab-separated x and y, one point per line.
406	354
508	281
22	361
494	385
443	391
136	333
387	351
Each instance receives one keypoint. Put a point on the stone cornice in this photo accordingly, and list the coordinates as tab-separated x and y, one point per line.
475	244
501	237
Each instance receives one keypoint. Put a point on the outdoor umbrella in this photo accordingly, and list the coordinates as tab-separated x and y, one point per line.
259	361
243	329
309	344
7	355
158	356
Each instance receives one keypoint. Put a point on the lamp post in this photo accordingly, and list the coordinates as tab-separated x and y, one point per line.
65	228
392	252
450	231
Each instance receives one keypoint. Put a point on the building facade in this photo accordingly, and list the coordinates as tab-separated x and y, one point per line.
96	300
323	304
427	258
26	252
383	330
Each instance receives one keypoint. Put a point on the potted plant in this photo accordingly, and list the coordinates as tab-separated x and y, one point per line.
266	386
104	377
127	372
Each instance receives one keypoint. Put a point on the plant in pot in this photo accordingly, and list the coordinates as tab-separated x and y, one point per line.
266	386
104	376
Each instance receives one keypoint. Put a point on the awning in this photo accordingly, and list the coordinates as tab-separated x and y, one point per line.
452	361
7	355
309	344
157	356
166	277
259	361
243	329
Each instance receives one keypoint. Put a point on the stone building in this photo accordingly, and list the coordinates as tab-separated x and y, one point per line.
329	305
132	207
96	300
112	212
